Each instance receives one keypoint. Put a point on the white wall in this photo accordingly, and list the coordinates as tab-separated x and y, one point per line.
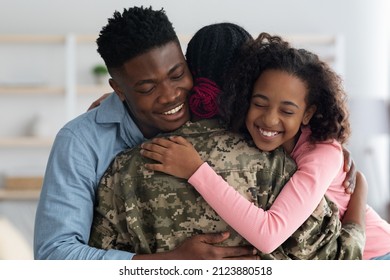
362	23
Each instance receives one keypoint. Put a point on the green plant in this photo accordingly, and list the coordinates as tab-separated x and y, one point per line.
100	70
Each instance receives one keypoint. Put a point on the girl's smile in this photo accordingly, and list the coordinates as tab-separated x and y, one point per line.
268	134
277	110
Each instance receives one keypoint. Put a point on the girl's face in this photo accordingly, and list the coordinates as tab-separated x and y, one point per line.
277	110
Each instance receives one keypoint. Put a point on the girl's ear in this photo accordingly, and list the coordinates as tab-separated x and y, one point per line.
117	89
309	113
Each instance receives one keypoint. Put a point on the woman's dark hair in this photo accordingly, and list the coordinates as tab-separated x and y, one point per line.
133	32
324	86
210	54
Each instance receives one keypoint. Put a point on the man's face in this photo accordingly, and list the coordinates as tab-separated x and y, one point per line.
155	86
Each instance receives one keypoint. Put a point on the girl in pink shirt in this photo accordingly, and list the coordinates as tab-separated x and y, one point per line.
295	101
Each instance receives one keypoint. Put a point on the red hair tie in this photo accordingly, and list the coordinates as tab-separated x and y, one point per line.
203	100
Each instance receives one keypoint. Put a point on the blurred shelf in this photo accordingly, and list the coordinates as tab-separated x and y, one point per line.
31	90
30	39
60	39
45	39
27	142
19	194
35	90
94	89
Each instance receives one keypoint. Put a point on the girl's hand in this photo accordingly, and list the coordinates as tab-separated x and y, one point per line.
176	156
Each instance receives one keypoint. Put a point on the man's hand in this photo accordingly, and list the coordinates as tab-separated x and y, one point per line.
202	247
356	211
349	167
97	102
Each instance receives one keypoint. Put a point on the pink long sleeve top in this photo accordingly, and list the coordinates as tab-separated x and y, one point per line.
320	171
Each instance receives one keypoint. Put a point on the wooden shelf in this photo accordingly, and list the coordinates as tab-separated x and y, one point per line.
29	39
94	89
44	39
31	90
19	194
60	39
27	142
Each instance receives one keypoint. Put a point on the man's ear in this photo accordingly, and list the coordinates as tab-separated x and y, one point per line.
117	89
309	113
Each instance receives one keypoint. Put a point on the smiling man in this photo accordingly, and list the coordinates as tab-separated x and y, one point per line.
154	87
151	82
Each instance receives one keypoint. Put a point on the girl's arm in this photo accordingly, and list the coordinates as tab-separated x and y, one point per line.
266	230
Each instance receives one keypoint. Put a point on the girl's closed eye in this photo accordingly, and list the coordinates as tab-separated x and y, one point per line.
260	105
288	112
259	102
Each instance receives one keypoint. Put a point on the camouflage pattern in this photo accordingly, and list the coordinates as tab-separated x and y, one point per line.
146	212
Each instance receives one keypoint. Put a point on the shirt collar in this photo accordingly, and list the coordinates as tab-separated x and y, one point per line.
112	110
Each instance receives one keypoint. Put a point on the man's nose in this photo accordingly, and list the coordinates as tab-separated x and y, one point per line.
168	93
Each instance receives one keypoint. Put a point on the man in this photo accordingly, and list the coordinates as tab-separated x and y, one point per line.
151	82
148	212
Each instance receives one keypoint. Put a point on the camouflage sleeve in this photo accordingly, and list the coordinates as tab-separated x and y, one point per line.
323	237
103	234
352	242
108	229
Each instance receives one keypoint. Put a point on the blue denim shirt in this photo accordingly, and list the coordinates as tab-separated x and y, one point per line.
81	153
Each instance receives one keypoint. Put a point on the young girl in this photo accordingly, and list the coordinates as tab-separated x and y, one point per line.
283	97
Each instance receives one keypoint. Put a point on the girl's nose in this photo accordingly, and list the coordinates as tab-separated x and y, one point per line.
271	118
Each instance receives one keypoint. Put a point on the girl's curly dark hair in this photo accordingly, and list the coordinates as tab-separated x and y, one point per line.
325	89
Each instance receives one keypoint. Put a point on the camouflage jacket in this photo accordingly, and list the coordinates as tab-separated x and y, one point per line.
145	212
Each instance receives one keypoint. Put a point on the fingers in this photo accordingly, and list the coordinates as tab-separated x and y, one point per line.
152	152
235	252
350	183
349	167
347	160
213	238
158	142
160	148
179	140
156	149
347	188
155	167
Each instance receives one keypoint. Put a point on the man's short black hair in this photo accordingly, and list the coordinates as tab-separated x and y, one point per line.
134	32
